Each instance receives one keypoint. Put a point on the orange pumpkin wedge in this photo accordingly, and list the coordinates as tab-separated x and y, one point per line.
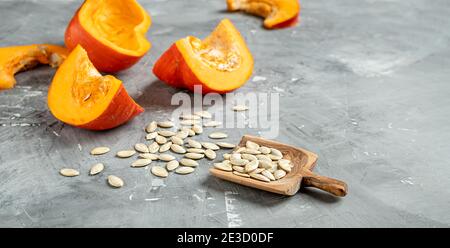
19	58
111	31
220	63
277	13
80	96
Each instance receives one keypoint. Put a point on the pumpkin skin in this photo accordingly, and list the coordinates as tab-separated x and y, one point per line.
80	96
19	58
114	38
220	63
276	13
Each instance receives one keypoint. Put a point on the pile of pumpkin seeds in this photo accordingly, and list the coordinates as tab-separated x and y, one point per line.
257	162
161	140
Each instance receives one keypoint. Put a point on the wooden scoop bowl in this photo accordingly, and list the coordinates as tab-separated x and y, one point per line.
301	174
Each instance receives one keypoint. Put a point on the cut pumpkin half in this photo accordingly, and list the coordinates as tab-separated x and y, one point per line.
19	58
276	13
80	96
112	32
220	63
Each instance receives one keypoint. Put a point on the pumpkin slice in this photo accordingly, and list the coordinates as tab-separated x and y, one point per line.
19	58
80	96
111	31
220	63
277	13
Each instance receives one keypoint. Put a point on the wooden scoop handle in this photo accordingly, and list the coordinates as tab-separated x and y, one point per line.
331	185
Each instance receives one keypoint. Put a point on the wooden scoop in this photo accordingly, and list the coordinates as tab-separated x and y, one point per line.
303	161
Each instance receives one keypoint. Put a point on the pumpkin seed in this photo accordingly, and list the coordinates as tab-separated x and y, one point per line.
203	114
285	164
165	124
273	167
222	166
141	162
209	145
210	154
251	166
235	156
276	152
225	145
197	129
177	148
159	171
195	150
166	157
241	174
189	122
274	157
177	140
239	162
251	145
153	147
251	151
268	174
190	117
264	150
194	155
264	158
264	164
115	181
226	156
182	134
258	170
160	140
212	124
151	127
259	177
166	133
172	165
149	156
100	150
239	169
96	168
67	172
278	174
217	135
151	135
183	170
188	162
191	132
194	144
165	147
141	148
125	154
240	149
248	157
240	108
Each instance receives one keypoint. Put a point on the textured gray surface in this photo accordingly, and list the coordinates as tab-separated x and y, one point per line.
364	84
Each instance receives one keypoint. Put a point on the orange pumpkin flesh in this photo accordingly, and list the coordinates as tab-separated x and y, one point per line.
111	31
80	96
277	13
220	63
19	58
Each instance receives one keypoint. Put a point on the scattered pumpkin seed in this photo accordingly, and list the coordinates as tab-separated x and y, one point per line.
165	124
209	145
190	117
149	156
226	156
203	114
188	162
141	162
166	133
240	108
140	147
251	145
177	140
159	171
125	153
197	129
153	147
212	124
217	135
67	172
100	150
191	132
194	155
160	140
189	122
225	145
182	134
194	144
96	168
166	157
151	135
210	154
195	150
240	149
177	148
115	181
165	147
172	165
222	166
183	170
151	127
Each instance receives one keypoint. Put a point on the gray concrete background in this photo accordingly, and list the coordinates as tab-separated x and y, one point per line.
363	83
